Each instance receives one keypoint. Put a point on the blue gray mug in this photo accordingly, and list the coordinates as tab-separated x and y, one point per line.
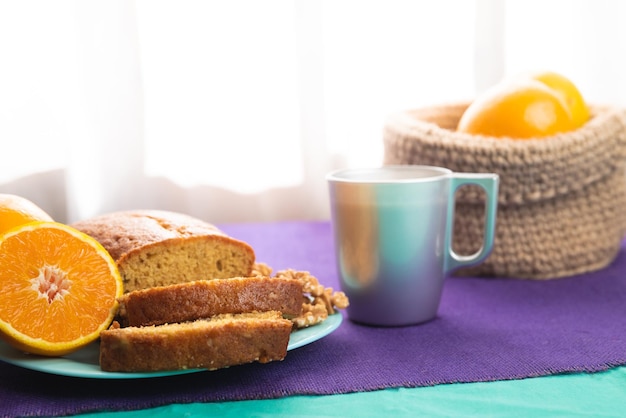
392	229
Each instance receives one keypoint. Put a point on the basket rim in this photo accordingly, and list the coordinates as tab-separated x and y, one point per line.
599	114
530	169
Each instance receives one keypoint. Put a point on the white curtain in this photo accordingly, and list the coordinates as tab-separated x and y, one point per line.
234	111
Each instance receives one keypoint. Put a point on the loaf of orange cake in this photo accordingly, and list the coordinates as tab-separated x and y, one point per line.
158	248
206	298
222	341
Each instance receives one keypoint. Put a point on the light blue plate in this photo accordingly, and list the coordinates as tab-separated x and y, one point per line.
84	362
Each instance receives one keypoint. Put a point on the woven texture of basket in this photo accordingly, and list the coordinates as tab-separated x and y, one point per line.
562	199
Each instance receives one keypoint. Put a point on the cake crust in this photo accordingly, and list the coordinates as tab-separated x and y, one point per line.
206	298
158	248
222	341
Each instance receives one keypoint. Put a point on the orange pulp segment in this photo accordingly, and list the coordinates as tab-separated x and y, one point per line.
58	288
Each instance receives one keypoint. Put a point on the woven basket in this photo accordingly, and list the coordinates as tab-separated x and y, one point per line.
562	200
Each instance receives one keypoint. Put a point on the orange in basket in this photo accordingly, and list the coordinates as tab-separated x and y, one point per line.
531	105
567	91
58	288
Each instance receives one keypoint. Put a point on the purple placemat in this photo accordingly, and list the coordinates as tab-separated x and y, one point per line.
487	329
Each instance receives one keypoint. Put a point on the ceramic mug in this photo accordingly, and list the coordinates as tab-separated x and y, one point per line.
392	229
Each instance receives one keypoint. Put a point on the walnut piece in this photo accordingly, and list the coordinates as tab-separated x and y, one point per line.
261	269
313	312
319	301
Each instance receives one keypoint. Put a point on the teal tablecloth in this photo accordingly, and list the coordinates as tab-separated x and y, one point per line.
600	394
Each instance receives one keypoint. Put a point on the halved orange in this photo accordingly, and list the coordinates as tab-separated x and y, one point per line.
58	288
17	210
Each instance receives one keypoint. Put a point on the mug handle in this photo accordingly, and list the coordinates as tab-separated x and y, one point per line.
489	183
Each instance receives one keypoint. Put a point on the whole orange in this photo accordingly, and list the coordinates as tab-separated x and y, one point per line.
568	92
17	210
532	105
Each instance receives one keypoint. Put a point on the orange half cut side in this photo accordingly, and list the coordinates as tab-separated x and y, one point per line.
58	288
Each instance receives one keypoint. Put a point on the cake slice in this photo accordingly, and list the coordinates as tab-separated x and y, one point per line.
158	248
222	341
206	298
